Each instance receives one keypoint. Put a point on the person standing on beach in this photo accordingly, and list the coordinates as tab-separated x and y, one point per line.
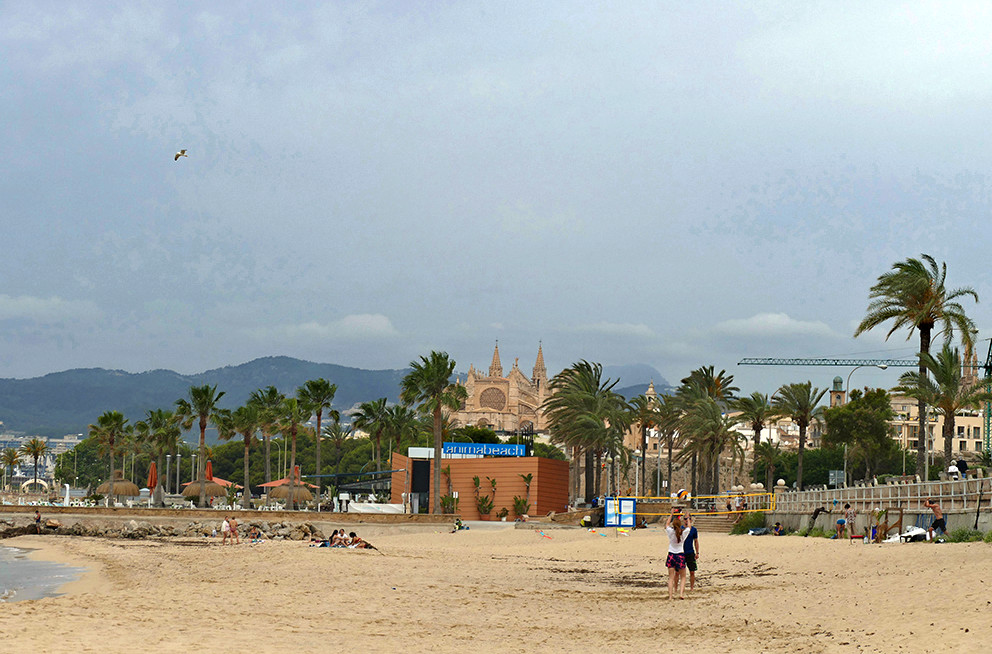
225	531
691	549
938	518
233	523
37	520
676	556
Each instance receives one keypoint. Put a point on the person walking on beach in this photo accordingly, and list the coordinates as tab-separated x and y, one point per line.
37	521
233	524
846	522
938	518
676	556
225	531
690	547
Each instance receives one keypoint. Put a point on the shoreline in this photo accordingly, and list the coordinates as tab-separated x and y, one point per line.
49	549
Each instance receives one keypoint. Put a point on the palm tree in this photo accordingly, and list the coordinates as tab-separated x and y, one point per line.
429	384
318	394
585	413
767	454
268	400
161	430
35	449
913	295
644	413
8	459
337	435
702	383
372	418
292	414
402	425
670	415
243	421
707	433
202	406
948	392
754	412
110	428
799	403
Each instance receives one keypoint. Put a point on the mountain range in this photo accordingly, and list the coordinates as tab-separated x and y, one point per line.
66	402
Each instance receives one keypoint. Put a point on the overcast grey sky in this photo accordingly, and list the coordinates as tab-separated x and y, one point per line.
676	184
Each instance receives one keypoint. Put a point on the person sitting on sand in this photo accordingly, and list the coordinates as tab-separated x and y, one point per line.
254	534
225	531
938	518
355	542
338	539
233	524
778	530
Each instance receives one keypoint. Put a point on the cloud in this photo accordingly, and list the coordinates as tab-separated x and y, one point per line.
355	327
775	325
46	310
639	330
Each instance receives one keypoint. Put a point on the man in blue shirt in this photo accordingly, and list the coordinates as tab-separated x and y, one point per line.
690	547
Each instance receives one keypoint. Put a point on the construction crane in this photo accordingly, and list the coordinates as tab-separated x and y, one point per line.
891	363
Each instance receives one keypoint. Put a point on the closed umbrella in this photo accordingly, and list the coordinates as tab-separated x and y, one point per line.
152	476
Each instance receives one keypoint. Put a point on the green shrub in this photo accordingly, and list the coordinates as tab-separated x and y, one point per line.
964	535
988	536
748	522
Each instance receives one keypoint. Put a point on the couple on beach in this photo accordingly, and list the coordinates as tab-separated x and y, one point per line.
229	530
683	549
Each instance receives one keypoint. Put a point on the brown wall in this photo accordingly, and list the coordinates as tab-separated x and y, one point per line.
548	489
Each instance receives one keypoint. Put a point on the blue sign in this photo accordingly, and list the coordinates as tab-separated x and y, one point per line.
620	512
486	449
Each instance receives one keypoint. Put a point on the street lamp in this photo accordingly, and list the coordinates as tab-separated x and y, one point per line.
192	469
847	398
637	459
168	468
178	457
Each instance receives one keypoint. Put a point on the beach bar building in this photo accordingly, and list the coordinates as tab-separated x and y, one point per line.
413	476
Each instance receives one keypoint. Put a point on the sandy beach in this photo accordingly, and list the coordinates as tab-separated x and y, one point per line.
504	589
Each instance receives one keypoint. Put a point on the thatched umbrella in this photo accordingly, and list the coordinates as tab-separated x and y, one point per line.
213	489
300	493
122	487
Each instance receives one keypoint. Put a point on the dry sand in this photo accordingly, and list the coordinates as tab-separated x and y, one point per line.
500	589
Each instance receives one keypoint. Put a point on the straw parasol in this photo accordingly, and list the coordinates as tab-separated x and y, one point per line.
300	493
216	487
122	487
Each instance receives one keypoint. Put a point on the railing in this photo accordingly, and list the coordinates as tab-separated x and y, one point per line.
951	495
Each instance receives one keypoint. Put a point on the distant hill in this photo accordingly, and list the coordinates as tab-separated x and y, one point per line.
66	402
634	379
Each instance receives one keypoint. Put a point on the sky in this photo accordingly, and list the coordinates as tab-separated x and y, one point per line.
671	184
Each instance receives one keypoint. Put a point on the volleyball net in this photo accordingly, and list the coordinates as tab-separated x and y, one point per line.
628	509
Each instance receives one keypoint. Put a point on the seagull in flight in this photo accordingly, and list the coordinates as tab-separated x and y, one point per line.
181	153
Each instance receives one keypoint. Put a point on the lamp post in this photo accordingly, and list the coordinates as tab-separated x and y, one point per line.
168	468
178	457
637	459
847	398
192	469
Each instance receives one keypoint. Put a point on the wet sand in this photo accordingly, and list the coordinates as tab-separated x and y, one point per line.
510	590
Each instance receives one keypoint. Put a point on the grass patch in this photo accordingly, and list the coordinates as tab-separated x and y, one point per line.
988	536
964	535
748	522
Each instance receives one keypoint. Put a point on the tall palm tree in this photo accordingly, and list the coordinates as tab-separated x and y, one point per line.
268	400
373	418
293	413
34	449
709	432
201	405
702	383
755	411
8	459
429	384
402	425
670	415
644	413
948	392
767	454
799	402
243	421
913	295
161	430
110	428
337	434
586	414
318	395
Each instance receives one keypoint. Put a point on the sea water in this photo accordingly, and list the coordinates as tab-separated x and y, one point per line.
22	578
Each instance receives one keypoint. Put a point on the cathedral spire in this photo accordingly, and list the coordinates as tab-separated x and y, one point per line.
496	368
540	372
